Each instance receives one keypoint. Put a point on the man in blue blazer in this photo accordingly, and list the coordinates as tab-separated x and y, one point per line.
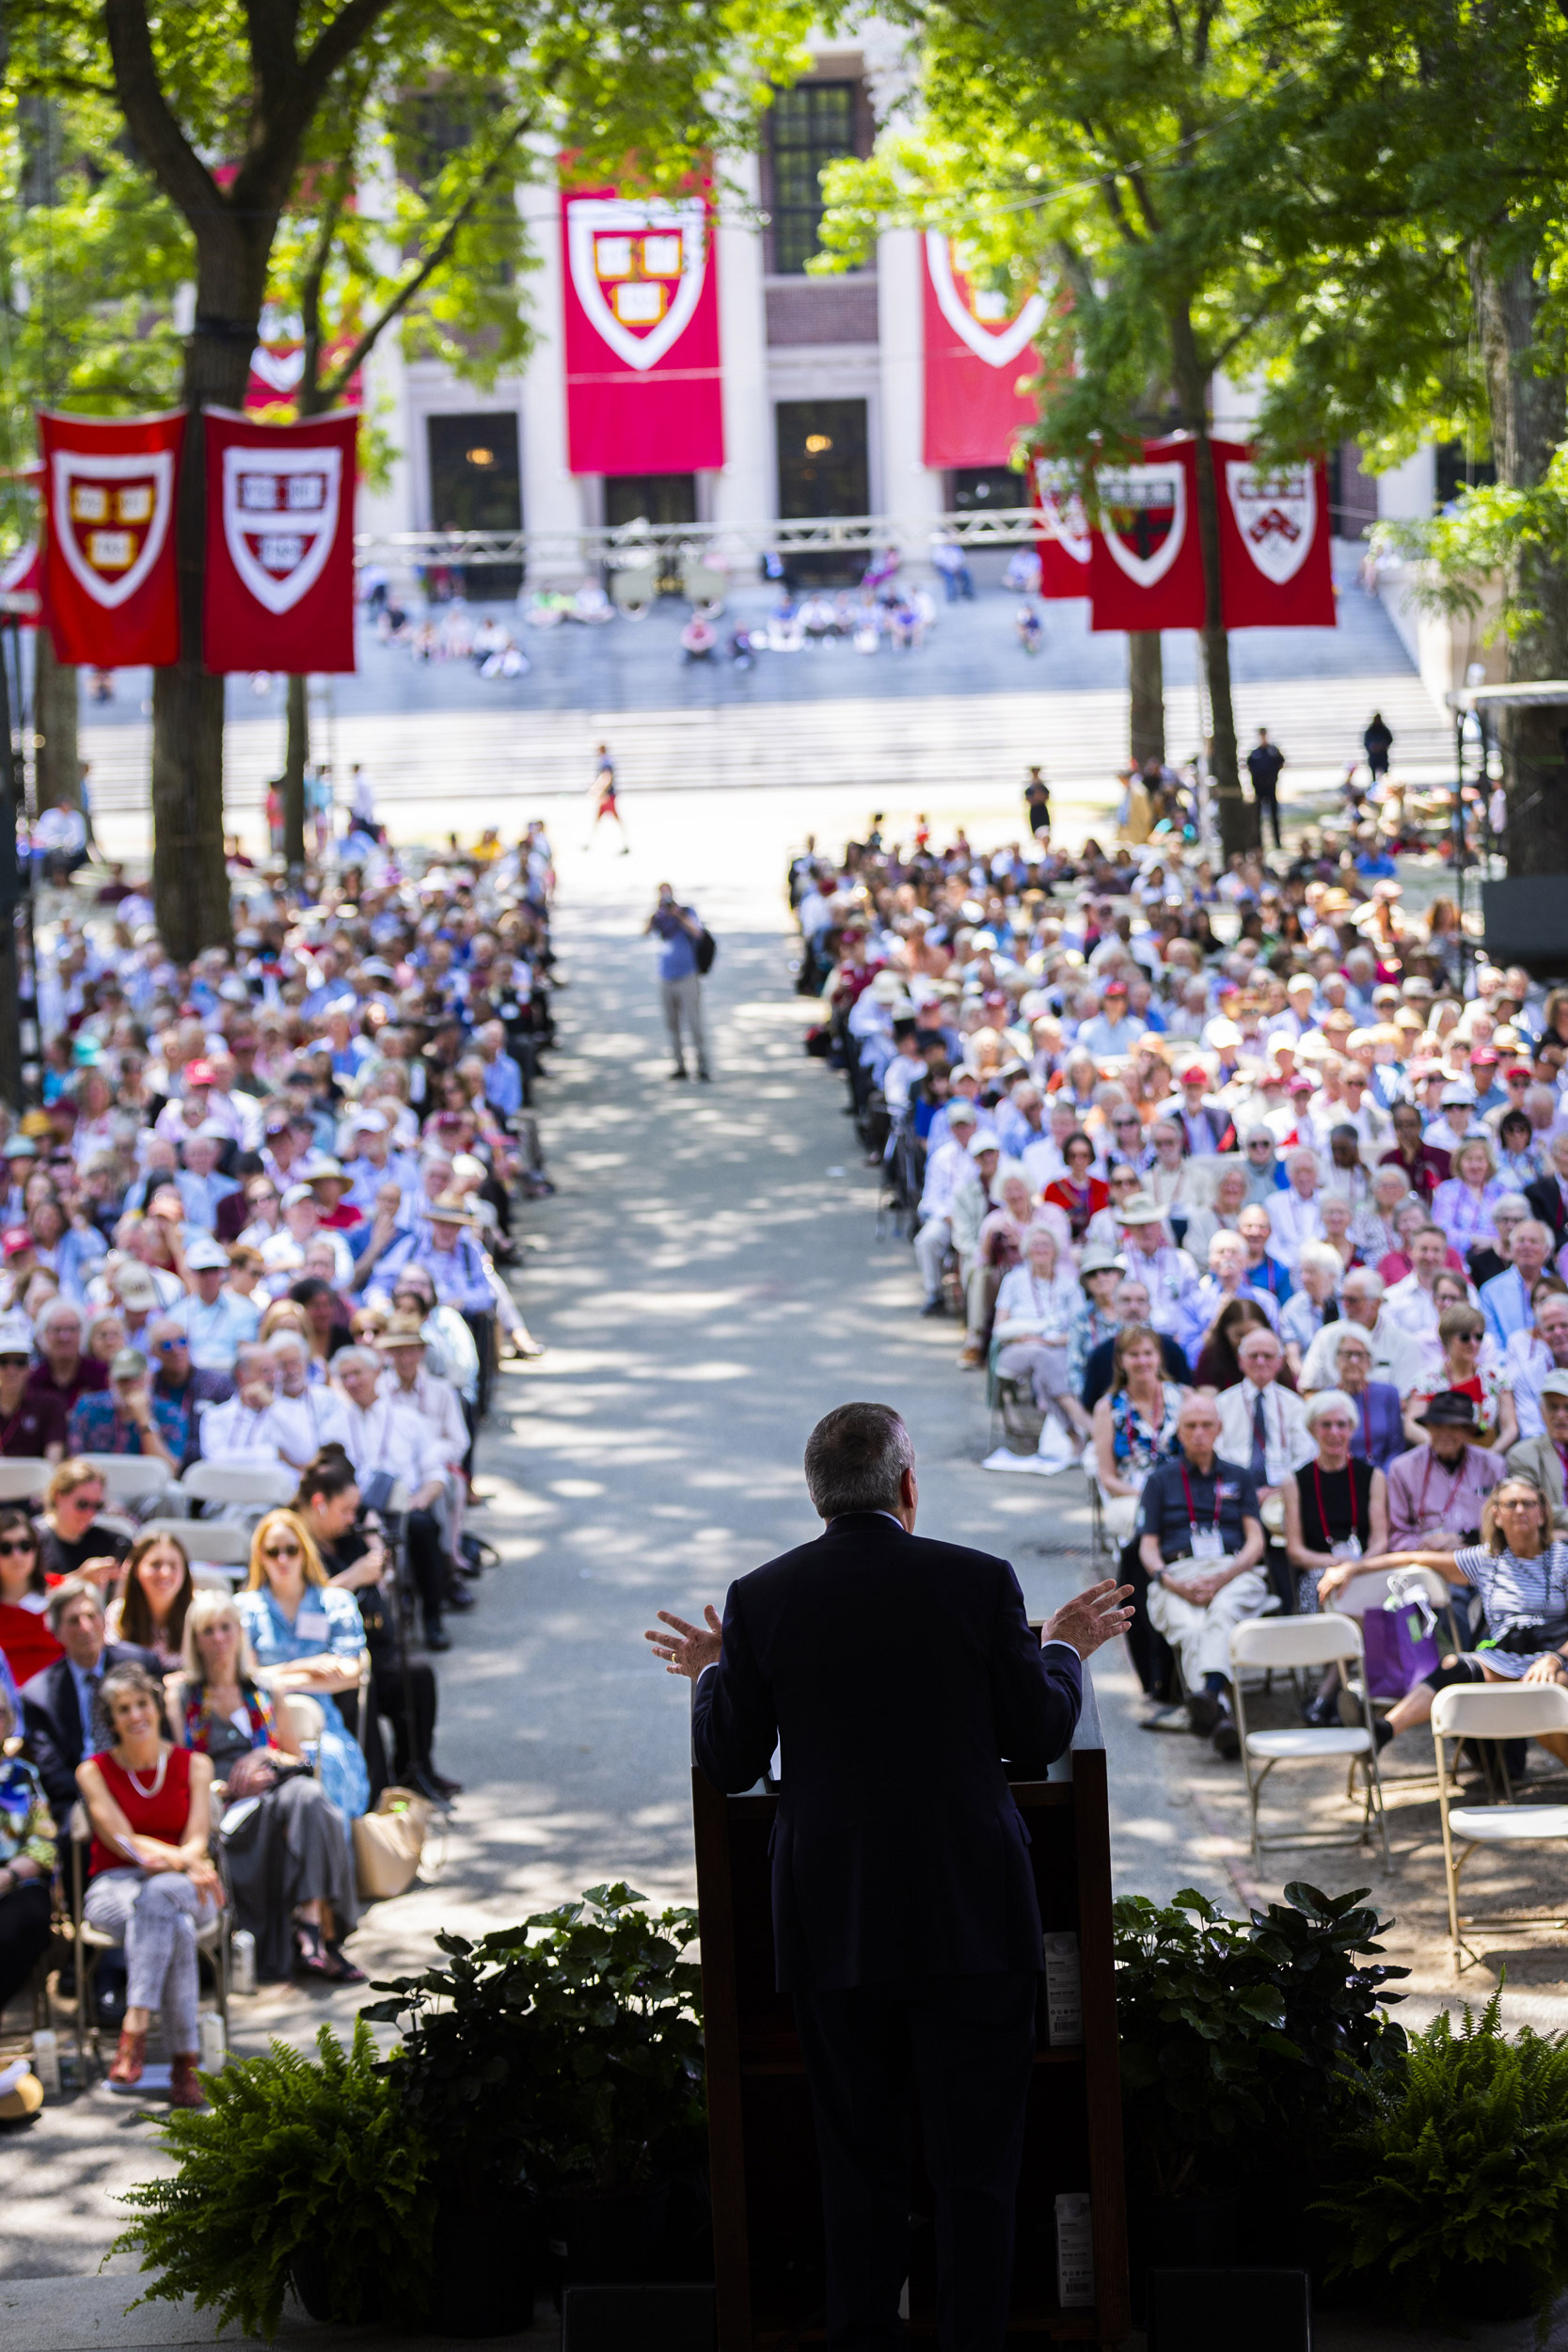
908	1930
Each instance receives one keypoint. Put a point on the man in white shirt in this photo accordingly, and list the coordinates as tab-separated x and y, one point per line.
1263	1427
1294	1216
244	1430
306	1415
1153	1258
948	1166
1043	1163
407	1383
385	1436
1410	1302
1532	1354
1396	1356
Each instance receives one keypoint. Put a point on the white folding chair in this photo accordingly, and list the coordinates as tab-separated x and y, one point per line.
1497	1710
24	1477
266	1485
1328	1640
130	1478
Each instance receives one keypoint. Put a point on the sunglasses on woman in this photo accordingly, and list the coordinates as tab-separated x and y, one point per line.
280	1551
10	1547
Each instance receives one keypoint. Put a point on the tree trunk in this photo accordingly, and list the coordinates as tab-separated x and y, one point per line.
1146	689
57	762
294	757
1238	822
190	881
1527	394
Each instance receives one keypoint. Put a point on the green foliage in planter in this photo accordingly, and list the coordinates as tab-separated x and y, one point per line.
1239	2042
567	2052
1462	2160
298	2157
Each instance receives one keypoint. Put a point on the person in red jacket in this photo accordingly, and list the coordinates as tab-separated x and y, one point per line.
1080	1193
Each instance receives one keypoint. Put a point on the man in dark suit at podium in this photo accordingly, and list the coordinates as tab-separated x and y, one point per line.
895	1673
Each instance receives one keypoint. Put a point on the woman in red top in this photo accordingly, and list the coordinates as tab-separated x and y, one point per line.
152	1883
25	1636
1080	1193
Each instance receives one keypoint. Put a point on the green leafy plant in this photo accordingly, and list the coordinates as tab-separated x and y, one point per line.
299	2159
1462	2162
567	2052
1238	2040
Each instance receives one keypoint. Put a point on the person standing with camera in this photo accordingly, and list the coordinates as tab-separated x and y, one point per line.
685	954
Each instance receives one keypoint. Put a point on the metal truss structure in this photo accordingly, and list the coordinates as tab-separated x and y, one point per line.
665	547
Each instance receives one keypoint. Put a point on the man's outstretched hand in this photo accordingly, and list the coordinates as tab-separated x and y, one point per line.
1090	1618
688	1650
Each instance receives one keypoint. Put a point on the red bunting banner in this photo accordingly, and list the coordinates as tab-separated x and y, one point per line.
640	291
279	593
975	352
1146	569
1064	539
278	370
1274	555
108	567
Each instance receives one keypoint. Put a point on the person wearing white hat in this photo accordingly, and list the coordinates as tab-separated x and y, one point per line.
216	1322
1154	1260
370	1161
1546	1458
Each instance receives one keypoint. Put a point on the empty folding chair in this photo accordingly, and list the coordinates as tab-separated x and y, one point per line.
1289	1642
24	1478
1497	1711
250	1486
210	1545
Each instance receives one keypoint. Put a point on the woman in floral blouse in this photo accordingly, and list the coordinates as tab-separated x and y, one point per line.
27	1863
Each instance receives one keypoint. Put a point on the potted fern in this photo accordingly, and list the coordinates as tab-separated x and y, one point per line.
1452	2195
303	2172
555	2072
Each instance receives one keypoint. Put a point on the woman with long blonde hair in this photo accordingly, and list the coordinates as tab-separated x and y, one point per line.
310	1637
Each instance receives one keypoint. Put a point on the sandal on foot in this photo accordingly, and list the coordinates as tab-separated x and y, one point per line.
343	1968
129	2056
311	1958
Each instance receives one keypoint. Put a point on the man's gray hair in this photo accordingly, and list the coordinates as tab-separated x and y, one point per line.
856	1457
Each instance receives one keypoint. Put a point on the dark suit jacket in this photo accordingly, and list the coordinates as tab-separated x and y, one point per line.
52	1723
895	1673
1545	1202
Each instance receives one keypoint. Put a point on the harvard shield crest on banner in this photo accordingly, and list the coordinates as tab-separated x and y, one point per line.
1274	555
640	291
977	350
109	583
1064	539
1146	569
279	543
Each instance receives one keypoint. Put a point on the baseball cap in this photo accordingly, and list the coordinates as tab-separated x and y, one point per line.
1457	1097
960	1113
207	1257
129	1364
982	1143
1106	1262
17	1148
16	1336
295	1193
1195	1075
366	1122
15	1239
135	1287
1552	1384
199	1073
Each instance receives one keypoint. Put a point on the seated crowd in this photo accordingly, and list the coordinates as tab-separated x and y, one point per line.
1258	1186
257	1222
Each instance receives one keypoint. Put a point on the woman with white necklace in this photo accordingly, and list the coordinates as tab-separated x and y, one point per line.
151	1880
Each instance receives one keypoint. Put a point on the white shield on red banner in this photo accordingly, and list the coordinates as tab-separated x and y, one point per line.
280	366
281	510
1061	507
638	270
976	320
1277	513
110	516
1144	517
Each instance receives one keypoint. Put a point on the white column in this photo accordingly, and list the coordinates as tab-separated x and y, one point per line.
911	490
743	491
553	497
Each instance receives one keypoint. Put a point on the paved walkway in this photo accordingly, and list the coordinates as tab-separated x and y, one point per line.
708	1284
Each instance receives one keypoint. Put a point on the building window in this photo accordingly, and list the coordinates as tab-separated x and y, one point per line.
476	485
823	470
1457	470
809	126
649	498
986	490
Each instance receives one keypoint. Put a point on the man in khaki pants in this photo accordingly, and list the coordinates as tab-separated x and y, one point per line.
1200	1545
680	983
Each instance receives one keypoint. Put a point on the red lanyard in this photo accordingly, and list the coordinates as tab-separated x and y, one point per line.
1192	1514
1322	1509
1426	1476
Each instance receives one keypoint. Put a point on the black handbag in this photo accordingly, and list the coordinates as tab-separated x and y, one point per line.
1527	1637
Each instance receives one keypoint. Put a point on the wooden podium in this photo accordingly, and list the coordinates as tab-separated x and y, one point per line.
767	2197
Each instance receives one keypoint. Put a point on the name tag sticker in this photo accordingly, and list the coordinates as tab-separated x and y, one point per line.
1208	1544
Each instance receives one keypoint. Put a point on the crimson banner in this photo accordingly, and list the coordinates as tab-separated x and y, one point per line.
1274	555
1065	538
974	355
279	591
640	291
278	370
109	566
21	586
1146	569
